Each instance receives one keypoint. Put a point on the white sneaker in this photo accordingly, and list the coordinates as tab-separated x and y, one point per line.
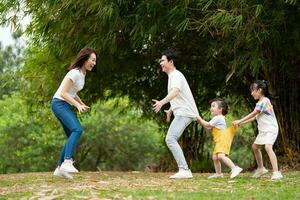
182	174
276	175
67	166
235	171
62	174
259	172
216	176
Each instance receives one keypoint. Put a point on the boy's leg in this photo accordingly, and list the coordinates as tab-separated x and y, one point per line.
226	160
176	129
272	156
258	156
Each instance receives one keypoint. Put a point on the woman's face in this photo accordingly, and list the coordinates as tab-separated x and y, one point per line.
90	63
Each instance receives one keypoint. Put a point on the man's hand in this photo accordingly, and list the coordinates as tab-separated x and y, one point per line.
168	115
157	105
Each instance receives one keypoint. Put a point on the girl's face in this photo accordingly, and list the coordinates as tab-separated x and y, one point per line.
214	109
90	63
256	93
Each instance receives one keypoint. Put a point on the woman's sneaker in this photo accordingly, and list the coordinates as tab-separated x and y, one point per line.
259	172
216	176
276	175
62	174
182	174
235	171
67	166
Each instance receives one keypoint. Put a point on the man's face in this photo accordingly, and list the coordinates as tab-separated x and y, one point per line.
165	64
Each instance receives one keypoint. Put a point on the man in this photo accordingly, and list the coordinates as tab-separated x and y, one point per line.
182	106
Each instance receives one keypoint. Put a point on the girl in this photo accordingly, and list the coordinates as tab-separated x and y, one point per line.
267	128
62	102
222	137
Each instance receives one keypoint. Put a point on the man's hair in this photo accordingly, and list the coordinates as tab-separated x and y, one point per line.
171	55
221	104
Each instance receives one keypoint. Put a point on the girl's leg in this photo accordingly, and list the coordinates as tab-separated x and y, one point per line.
217	164
258	156
272	156
226	160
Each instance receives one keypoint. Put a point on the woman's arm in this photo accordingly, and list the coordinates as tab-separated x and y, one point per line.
64	94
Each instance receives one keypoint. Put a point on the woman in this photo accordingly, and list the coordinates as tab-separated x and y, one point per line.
62	102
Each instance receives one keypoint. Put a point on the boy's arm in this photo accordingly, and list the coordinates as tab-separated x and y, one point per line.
204	123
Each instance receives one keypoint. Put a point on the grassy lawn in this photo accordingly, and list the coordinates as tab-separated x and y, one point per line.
143	185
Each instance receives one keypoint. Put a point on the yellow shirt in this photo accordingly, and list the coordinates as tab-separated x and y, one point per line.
223	139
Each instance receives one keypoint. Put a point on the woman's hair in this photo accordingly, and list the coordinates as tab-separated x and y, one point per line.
261	84
221	104
83	55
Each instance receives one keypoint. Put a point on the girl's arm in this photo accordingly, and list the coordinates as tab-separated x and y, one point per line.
246	119
204	123
64	94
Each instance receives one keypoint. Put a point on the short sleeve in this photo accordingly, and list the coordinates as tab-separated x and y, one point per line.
214	121
73	75
264	106
176	81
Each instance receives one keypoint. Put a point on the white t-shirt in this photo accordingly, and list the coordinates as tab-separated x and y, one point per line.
218	122
183	104
78	82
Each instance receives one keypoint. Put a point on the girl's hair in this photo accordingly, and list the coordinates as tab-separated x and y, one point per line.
221	104
261	84
83	55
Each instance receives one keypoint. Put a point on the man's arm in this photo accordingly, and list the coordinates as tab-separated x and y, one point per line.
158	104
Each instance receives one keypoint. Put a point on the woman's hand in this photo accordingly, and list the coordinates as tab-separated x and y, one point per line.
82	108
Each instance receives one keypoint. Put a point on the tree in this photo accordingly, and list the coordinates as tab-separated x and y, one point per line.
223	45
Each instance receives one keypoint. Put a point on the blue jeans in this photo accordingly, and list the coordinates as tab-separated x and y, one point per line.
73	130
176	129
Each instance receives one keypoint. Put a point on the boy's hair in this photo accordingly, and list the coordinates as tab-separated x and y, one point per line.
171	55
221	104
261	84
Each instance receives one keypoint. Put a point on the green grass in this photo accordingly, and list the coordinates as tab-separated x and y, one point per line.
142	185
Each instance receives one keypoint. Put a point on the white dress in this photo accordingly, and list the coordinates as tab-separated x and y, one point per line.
267	122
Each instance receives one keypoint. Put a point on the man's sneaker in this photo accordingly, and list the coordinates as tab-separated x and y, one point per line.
259	172
182	173
67	166
216	176
276	175
62	174
235	171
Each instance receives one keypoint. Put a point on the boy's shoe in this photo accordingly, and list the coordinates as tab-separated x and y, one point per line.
276	175
67	166
235	171
62	174
259	172
182	174
216	176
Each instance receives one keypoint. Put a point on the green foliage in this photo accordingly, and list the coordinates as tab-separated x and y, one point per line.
117	138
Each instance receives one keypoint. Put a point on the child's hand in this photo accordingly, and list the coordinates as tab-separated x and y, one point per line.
236	122
199	120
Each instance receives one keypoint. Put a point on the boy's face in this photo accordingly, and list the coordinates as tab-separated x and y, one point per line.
214	109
